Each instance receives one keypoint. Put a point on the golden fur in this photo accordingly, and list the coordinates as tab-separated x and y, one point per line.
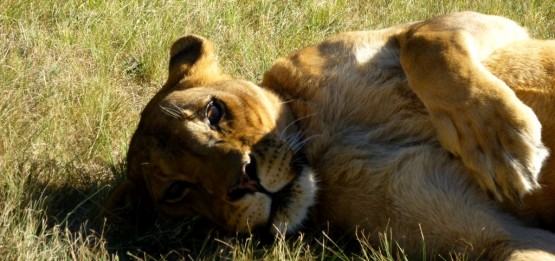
426	129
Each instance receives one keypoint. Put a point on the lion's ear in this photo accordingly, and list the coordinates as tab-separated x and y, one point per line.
192	58
128	203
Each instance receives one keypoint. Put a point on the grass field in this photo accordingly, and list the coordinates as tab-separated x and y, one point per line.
74	76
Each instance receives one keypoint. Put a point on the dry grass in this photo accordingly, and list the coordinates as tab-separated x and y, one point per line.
74	76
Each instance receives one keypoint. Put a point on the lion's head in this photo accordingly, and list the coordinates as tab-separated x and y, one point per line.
222	148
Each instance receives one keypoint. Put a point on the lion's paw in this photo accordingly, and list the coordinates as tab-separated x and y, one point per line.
499	139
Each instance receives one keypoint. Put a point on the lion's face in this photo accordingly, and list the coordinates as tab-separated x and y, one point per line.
225	149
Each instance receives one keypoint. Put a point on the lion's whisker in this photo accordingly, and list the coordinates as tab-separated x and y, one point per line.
174	111
300	144
293	122
291	140
285	102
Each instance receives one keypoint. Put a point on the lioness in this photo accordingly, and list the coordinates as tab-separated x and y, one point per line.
427	129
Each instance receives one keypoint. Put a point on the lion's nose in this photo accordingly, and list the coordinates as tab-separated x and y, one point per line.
249	170
248	181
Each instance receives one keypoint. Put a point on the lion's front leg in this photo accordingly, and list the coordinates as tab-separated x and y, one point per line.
476	115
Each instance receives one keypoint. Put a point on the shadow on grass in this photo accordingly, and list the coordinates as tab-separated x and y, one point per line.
77	206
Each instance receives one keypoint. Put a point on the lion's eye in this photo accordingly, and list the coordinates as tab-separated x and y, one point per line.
176	191
214	113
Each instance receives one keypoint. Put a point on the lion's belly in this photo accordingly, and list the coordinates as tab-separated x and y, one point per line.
359	125
394	187
373	150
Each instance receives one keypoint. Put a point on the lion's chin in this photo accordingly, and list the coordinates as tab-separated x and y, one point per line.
290	205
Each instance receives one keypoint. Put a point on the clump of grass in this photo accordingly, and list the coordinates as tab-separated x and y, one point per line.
74	76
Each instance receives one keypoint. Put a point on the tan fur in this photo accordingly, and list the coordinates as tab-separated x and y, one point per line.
403	129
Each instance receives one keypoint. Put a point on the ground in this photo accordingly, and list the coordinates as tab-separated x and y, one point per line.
75	75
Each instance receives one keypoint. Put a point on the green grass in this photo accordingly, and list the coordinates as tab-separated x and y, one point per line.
74	76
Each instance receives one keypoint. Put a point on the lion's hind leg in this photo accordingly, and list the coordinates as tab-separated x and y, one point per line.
434	199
